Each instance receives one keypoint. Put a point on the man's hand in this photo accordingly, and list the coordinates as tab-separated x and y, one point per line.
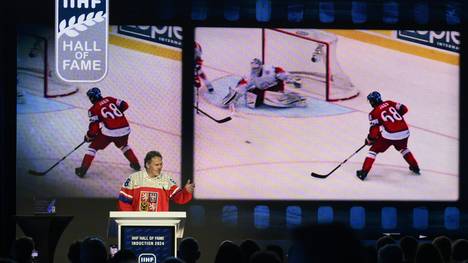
189	187
88	138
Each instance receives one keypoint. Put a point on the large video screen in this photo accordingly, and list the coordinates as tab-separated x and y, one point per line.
144	71
298	102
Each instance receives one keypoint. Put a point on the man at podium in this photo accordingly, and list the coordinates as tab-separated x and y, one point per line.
151	189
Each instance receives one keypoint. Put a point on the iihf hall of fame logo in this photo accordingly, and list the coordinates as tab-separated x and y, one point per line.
81	39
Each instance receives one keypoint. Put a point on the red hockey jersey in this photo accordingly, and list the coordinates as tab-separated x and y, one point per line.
110	112
387	119
140	192
198	54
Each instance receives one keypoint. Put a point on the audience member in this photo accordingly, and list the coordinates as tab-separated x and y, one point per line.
173	260
93	250
315	243
428	253
444	245
460	250
248	248
22	250
264	257
295	253
189	250
228	252
73	254
124	256
390	253
408	245
370	254
277	250
385	240
326	243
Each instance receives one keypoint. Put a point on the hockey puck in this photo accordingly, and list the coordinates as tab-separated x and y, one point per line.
248	142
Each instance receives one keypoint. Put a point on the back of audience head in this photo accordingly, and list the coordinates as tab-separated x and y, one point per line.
173	260
460	250
248	248
444	245
93	250
385	240
370	254
6	260
124	256
73	254
321	243
228	252
189	250
264	256
390	253
428	253
277	250
22	249
408	245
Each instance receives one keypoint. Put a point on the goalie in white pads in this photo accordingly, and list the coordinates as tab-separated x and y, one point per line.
266	86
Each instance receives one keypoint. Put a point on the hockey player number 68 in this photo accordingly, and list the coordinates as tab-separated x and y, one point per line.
109	114
393	112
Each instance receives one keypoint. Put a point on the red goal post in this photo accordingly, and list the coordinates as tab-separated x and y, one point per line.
35	67
295	49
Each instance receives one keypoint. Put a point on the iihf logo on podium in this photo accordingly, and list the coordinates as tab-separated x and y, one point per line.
81	39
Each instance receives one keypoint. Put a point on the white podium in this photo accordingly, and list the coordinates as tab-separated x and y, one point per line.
151	235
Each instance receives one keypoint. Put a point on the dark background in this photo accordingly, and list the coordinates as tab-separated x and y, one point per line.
206	220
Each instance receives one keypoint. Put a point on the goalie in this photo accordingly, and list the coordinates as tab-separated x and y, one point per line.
266	85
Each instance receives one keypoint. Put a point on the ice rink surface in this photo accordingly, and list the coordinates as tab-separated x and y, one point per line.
258	156
47	129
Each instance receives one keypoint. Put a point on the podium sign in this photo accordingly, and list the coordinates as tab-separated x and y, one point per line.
149	242
152	236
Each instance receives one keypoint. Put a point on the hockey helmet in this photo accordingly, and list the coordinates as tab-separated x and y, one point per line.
256	65
374	98
94	94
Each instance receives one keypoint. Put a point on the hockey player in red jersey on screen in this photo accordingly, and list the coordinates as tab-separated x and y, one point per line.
387	128
199	73
107	123
151	189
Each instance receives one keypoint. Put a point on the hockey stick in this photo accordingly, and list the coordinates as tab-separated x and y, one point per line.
197	97
211	117
36	173
326	175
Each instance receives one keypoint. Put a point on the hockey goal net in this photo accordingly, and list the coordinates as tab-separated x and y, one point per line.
35	67
309	55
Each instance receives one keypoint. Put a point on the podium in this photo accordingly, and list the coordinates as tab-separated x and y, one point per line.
152	236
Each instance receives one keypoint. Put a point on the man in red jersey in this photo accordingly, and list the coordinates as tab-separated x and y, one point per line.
107	123
387	128
151	189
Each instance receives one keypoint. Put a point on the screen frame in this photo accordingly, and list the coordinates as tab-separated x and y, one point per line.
188	57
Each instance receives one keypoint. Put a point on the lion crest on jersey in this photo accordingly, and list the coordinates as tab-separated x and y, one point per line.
149	201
